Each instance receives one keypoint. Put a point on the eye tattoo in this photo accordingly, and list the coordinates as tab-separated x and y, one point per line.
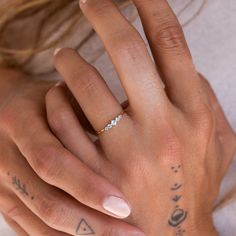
178	215
84	228
19	186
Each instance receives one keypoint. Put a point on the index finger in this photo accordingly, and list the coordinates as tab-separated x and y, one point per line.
58	167
129	54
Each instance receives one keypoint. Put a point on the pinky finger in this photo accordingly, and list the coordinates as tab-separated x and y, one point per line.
14	226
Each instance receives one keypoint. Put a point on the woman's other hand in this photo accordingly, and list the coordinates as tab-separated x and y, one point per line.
171	148
44	189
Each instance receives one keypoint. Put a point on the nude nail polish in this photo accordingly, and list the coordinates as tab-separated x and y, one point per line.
117	206
56	51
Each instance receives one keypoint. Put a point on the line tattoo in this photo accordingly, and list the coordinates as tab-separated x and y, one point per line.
178	215
84	228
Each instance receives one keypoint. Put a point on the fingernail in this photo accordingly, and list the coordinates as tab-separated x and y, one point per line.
59	83
56	51
117	206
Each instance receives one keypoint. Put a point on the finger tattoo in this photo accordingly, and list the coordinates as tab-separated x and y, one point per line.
19	186
84	228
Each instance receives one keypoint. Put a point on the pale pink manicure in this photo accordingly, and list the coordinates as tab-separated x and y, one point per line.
117	206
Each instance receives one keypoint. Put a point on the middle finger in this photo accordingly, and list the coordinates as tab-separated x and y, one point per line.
129	54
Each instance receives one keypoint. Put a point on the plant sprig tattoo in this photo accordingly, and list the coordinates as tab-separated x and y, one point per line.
19	186
179	215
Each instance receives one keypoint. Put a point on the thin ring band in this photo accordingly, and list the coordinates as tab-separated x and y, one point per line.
112	123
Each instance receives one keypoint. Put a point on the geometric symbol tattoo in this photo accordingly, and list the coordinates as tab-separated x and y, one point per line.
177	217
176	198
176	187
84	228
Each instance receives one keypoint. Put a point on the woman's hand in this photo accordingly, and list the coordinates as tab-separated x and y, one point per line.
43	186
172	147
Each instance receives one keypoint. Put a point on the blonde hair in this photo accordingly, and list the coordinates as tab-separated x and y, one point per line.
54	21
49	17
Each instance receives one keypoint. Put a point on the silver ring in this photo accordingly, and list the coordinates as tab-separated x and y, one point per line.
112	123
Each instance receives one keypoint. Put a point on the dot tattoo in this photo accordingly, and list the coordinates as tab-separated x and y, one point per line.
176	169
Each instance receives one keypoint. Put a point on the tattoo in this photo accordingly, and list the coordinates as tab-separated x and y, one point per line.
84	228
19	186
180	231
176	169
176	198
176	187
179	215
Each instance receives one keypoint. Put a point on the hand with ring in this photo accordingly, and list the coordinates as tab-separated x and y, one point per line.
169	149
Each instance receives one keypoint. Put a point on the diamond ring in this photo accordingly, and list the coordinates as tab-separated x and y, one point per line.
112	123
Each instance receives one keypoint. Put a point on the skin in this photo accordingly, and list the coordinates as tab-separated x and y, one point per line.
167	137
35	168
173	146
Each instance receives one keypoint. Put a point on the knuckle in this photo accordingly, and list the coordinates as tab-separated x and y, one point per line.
170	37
46	162
173	144
205	119
205	82
50	210
131	46
87	82
57	119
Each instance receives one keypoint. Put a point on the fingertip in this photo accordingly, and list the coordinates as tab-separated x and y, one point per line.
117	206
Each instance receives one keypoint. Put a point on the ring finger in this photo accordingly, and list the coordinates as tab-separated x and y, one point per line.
88	87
